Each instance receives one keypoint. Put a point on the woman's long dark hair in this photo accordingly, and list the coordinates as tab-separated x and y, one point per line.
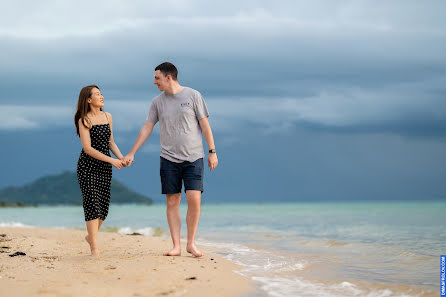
83	107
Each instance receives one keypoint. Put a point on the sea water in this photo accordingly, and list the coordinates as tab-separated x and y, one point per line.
297	249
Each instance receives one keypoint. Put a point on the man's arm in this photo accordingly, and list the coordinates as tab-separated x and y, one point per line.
143	135
207	132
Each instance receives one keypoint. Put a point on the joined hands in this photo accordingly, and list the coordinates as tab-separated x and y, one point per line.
120	163
128	159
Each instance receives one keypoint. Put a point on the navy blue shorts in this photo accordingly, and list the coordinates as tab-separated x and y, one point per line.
174	174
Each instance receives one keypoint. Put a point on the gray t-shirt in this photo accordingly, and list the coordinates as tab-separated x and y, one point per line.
180	132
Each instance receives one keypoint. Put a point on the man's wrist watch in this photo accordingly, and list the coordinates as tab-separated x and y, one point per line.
212	151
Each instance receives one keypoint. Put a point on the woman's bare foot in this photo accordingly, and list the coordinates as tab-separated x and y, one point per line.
94	251
192	249
176	251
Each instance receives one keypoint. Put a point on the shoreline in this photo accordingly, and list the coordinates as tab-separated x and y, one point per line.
341	260
58	263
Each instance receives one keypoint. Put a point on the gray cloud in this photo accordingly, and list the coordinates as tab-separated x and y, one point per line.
405	109
16	117
349	65
53	19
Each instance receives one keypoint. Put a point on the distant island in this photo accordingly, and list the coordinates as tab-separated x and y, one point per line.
62	189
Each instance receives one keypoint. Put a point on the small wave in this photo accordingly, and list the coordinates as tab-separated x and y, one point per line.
284	287
283	275
293	267
255	261
148	231
225	246
13	224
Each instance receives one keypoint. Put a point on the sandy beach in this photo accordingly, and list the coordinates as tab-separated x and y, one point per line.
58	263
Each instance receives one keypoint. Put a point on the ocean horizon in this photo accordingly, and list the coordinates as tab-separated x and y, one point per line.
363	248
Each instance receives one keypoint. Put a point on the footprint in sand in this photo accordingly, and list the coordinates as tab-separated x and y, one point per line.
110	267
48	259
4	249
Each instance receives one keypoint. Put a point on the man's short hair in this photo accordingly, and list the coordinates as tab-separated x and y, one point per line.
168	69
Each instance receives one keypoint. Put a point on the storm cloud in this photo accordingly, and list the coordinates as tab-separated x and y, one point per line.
318	73
344	64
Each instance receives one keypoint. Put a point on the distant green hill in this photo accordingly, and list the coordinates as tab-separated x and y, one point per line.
64	189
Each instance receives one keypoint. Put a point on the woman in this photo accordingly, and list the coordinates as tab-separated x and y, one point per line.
94	168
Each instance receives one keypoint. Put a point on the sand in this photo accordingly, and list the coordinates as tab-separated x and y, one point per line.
58	263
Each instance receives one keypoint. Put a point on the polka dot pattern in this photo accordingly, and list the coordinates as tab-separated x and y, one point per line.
95	176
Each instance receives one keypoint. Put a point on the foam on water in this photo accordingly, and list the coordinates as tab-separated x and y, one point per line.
280	276
13	224
285	287
147	231
259	264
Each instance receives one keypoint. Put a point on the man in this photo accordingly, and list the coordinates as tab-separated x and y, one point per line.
183	117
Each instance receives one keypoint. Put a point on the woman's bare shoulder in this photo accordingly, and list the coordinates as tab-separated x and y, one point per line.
86	123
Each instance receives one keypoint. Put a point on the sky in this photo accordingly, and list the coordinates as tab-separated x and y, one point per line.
320	100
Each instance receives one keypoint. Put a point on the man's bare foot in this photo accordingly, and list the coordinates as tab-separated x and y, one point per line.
192	249
173	252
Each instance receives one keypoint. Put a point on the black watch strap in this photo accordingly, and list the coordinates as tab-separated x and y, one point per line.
212	151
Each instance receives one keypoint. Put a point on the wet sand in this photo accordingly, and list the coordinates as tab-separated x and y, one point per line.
58	263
